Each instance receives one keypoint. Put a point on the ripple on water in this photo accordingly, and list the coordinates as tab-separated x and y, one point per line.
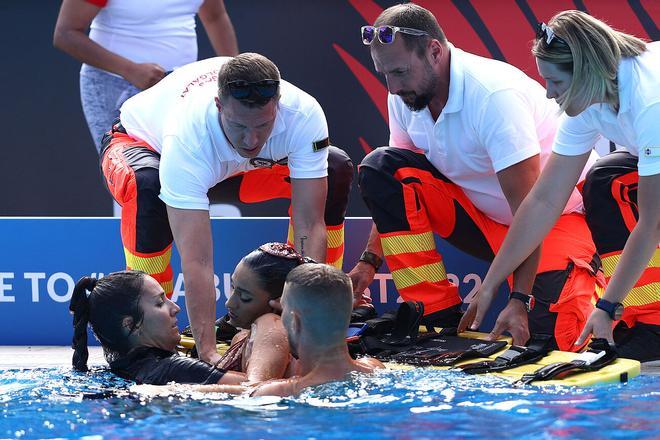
415	403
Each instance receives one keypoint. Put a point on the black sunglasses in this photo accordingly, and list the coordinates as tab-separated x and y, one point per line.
545	32
264	89
386	34
284	250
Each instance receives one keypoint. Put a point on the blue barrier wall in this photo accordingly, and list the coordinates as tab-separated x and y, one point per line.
42	258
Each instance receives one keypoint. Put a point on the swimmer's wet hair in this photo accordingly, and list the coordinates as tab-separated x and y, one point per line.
272	262
323	281
111	299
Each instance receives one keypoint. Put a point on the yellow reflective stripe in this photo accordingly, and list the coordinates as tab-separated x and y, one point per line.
409	276
599	292
150	265
643	295
335	237
289	236
167	286
338	263
610	263
401	244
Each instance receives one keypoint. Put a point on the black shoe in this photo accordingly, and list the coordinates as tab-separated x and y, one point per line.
363	314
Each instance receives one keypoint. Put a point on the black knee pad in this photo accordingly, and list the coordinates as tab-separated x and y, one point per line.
340	178
602	209
152	225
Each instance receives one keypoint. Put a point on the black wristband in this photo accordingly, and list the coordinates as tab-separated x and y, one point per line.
528	300
372	259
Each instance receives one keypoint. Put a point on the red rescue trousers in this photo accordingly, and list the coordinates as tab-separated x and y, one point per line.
610	201
410	200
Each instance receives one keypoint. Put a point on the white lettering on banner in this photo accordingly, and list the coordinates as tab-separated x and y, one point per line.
382	279
453	279
477	285
6	287
178	288
34	278
382	285
50	287
216	282
227	284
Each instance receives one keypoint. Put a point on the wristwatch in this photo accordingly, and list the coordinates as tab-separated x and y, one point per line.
371	258
615	310
528	300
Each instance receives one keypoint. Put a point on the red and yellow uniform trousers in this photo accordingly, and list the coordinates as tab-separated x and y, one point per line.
410	200
130	168
610	202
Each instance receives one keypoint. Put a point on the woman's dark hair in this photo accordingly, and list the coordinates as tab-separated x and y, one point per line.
272	262
111	299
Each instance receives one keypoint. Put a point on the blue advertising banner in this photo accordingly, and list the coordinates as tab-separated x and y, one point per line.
42	258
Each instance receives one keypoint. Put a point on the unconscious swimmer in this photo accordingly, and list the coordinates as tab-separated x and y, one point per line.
136	324
316	309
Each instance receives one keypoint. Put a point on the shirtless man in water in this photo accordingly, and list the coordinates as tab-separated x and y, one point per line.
316	307
316	310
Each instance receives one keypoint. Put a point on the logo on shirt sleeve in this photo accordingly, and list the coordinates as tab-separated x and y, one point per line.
652	151
319	145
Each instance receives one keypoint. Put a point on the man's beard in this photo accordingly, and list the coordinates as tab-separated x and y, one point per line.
418	102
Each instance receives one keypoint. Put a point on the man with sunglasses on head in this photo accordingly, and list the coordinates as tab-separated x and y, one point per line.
221	123
468	137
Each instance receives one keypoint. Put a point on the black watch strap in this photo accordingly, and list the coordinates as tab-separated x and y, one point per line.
371	258
615	310
528	300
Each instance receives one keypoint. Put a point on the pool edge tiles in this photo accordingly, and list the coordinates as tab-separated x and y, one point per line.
45	356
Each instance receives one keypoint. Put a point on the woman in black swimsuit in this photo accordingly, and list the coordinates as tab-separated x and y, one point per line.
137	327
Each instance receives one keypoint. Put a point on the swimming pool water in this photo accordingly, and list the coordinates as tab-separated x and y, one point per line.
414	404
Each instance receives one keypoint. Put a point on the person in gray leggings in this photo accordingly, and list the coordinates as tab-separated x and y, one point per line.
102	94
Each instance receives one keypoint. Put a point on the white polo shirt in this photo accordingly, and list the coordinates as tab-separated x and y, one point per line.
179	119
637	124
495	117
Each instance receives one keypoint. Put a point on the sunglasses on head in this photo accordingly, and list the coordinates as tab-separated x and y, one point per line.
386	34
284	250
264	89
545	32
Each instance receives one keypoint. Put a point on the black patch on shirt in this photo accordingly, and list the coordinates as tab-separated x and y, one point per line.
319	145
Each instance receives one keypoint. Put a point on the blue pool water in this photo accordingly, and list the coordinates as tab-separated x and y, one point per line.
415	404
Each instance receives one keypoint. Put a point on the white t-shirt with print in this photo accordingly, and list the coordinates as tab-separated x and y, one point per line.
179	119
637	124
495	117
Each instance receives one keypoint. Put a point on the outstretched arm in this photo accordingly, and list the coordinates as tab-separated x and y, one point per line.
219	27
639	249
308	208
363	273
532	222
192	234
